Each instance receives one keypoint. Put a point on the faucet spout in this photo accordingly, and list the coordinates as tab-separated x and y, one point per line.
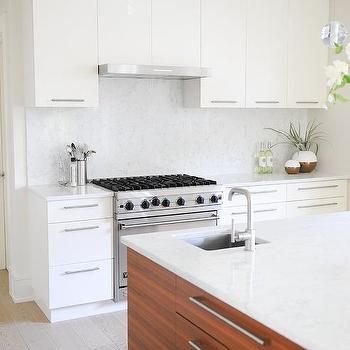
249	234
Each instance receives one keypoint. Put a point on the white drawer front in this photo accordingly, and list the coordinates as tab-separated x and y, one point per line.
260	194
76	242
314	190
262	212
80	283
317	206
80	209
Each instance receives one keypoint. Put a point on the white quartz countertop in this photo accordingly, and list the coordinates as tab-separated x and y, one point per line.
58	192
298	284
277	178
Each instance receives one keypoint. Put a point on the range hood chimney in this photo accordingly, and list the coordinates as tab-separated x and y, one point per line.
152	71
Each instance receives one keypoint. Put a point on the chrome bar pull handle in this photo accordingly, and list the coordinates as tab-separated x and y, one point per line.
81	229
317	187
308	102
264	192
230	323
317	205
193	345
81	271
267	102
67	100
255	211
223	101
81	206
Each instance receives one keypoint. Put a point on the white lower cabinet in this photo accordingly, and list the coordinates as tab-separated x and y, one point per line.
278	201
316	206
83	283
72	255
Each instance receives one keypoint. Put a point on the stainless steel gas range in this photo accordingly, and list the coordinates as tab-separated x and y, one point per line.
155	204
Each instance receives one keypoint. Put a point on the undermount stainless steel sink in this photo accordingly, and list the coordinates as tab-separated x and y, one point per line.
217	242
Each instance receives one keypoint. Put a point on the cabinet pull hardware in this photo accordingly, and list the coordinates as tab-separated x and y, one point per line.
264	192
81	271
162	70
227	321
67	100
256	211
267	102
308	102
223	101
317	205
125	227
82	206
81	229
194	345
316	188
2	175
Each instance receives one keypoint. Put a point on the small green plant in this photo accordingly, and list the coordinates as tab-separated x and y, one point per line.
303	139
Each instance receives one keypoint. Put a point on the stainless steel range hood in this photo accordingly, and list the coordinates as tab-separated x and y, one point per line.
152	72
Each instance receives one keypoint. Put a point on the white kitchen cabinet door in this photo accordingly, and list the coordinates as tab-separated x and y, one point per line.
267	53
307	55
124	31
64	53
176	32
223	49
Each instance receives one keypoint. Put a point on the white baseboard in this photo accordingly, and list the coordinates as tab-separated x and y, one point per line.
78	311
20	289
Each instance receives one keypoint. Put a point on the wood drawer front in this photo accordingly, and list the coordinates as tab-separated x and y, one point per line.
314	190
151	304
262	212
317	206
190	337
80	283
230	336
82	241
80	209
260	194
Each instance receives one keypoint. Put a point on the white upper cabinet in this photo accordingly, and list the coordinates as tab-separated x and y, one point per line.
307	55
62	53
124	31
223	49
267	46
175	32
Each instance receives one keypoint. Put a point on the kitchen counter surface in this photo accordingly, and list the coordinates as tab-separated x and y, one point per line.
277	178
297	284
58	192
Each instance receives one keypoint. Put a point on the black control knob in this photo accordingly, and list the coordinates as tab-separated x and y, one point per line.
214	198
181	202
166	203
200	200
155	201
129	205
145	204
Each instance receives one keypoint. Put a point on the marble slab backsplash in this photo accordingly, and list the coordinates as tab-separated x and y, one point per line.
142	128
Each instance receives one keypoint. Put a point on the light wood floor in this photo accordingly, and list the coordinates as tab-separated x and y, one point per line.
24	327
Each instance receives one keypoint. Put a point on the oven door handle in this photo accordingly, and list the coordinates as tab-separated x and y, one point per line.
125	226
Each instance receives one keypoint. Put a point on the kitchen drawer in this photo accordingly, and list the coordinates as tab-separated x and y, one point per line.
314	190
80	209
76	242
188	336
227	325
316	206
260	194
77	284
262	212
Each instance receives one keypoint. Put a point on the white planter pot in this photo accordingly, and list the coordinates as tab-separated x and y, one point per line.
307	160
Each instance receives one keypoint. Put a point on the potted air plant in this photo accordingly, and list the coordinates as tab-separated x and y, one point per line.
305	141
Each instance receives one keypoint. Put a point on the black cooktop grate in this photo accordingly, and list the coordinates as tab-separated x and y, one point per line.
151	182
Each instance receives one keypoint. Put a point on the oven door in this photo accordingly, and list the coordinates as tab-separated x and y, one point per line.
153	224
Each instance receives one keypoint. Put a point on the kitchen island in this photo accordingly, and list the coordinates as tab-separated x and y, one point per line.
295	286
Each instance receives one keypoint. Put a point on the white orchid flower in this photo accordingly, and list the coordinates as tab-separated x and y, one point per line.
336	72
347	50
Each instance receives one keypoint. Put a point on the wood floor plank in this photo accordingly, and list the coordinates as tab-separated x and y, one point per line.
11	339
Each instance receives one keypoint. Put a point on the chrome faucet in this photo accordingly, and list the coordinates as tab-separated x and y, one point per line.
248	236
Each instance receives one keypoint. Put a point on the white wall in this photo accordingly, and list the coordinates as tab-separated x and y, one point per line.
141	128
335	155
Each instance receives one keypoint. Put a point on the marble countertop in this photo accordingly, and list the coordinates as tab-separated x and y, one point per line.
276	178
58	192
297	284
